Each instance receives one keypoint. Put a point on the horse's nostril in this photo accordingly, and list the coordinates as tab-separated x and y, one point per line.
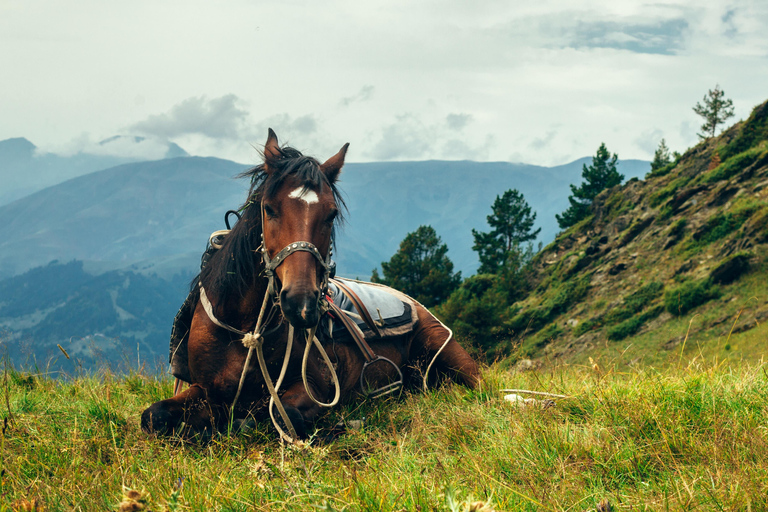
300	308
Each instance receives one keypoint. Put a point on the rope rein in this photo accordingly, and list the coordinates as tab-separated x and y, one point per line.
255	339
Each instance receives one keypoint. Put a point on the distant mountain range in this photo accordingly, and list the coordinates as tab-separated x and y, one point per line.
24	169
148	223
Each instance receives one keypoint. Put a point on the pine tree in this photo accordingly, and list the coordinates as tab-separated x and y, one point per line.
420	268
715	110
512	223
661	157
602	174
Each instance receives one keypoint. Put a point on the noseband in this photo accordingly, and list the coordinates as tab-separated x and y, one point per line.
271	264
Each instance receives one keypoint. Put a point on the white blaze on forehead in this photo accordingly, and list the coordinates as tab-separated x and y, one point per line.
304	194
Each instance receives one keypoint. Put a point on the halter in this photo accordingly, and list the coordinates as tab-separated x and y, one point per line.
271	264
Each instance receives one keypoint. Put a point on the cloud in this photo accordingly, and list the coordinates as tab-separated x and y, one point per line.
580	30
649	140
661	37
542	142
121	146
365	94
409	137
457	122
217	118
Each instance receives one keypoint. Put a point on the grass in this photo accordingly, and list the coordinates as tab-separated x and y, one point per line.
687	437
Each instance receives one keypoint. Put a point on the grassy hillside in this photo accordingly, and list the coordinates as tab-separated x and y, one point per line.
688	438
682	252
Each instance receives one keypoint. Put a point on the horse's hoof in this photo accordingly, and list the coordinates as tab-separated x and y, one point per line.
157	420
297	420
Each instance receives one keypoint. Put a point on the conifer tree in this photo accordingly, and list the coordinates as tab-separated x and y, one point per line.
420	268
512	225
661	157
602	174
715	110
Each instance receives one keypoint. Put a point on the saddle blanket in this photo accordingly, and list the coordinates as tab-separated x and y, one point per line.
393	312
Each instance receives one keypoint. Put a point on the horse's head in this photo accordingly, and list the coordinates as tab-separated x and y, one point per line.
299	204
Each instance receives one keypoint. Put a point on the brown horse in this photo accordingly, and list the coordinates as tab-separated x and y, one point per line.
272	273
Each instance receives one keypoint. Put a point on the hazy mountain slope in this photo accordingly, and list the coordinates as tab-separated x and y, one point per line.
388	200
133	212
96	319
24	170
160	213
674	265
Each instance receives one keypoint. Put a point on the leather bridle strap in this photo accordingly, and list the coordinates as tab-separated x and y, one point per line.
271	264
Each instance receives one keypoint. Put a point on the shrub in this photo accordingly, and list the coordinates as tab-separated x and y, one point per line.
721	225
676	230
632	325
635	303
662	195
662	171
690	295
730	269
735	164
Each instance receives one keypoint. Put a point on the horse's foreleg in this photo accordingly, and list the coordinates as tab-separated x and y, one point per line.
300	408
449	357
190	406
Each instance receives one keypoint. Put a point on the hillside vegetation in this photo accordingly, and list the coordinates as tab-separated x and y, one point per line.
687	438
673	263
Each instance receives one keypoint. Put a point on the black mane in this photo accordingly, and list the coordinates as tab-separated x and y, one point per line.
233	269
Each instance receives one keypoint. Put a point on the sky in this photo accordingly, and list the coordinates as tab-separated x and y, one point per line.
541	82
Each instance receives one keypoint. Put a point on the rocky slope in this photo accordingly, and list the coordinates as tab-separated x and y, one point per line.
681	253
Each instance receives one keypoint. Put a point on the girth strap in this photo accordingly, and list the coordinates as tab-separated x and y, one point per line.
368	354
354	331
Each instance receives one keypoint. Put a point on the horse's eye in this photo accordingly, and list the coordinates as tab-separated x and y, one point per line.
269	211
332	216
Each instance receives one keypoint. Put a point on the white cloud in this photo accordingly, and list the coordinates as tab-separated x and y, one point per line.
458	122
217	118
410	137
549	80
364	94
649	140
131	147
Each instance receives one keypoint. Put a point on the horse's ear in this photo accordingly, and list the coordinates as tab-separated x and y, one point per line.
333	165
271	148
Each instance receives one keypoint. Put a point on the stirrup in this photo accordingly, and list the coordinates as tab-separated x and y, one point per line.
386	389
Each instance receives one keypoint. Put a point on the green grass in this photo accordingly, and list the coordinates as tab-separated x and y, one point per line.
689	295
736	164
690	437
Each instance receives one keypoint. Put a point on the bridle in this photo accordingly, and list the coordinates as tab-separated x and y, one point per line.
255	340
271	264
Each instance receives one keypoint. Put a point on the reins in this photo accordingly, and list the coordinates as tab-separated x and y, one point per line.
255	339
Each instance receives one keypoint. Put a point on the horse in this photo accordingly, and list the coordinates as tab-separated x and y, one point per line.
268	282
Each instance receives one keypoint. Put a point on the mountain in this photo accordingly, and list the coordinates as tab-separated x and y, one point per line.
125	241
25	170
388	200
156	216
668	269
121	216
115	318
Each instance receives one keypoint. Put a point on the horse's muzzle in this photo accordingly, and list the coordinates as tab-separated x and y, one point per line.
301	308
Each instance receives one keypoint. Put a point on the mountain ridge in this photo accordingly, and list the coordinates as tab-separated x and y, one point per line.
671	266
